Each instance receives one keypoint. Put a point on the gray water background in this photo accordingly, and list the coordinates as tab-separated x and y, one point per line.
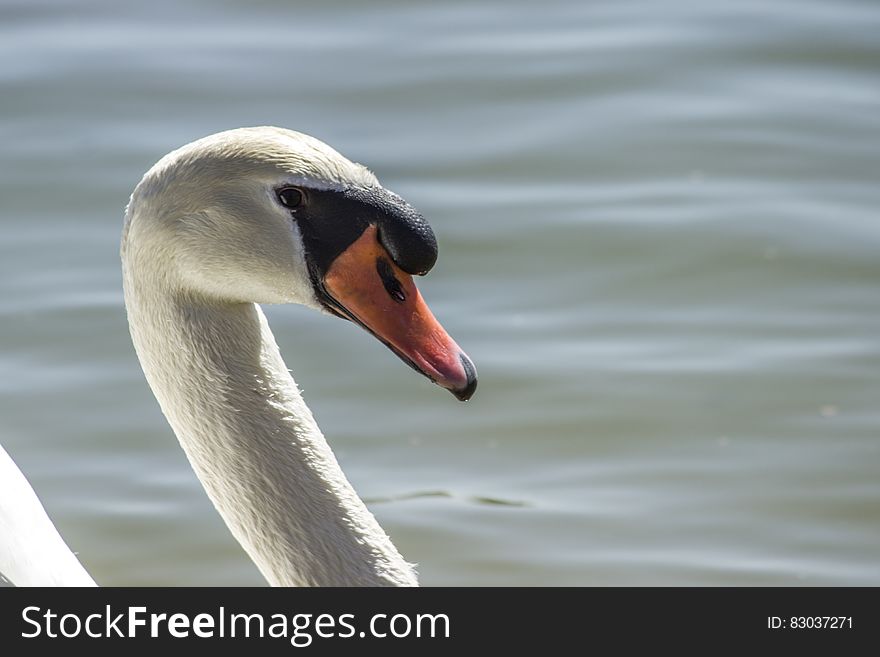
659	242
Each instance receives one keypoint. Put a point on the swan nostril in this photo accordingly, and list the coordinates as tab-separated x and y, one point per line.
389	280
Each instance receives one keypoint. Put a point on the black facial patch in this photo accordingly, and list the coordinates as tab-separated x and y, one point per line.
331	220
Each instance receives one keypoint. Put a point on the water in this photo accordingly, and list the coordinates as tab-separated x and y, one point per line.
659	243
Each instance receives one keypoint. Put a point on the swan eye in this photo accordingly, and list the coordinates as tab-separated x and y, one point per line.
290	197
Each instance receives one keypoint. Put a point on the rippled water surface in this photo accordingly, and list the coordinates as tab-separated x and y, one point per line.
659	241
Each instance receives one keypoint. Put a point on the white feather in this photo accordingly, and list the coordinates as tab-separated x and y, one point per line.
32	552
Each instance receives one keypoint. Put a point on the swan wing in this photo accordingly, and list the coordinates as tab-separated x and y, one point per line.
32	552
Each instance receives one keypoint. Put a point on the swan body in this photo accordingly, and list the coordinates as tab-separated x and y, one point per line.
32	552
249	216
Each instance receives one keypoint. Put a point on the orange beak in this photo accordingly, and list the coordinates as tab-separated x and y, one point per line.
367	287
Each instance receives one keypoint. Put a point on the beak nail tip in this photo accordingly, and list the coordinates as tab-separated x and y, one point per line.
464	394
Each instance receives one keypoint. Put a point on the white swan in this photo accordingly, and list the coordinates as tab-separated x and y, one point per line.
259	215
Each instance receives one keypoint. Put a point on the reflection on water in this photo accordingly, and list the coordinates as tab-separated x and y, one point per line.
658	241
477	499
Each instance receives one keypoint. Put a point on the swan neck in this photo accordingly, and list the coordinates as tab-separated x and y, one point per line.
218	375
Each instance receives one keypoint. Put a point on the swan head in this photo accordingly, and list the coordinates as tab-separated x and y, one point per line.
267	215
